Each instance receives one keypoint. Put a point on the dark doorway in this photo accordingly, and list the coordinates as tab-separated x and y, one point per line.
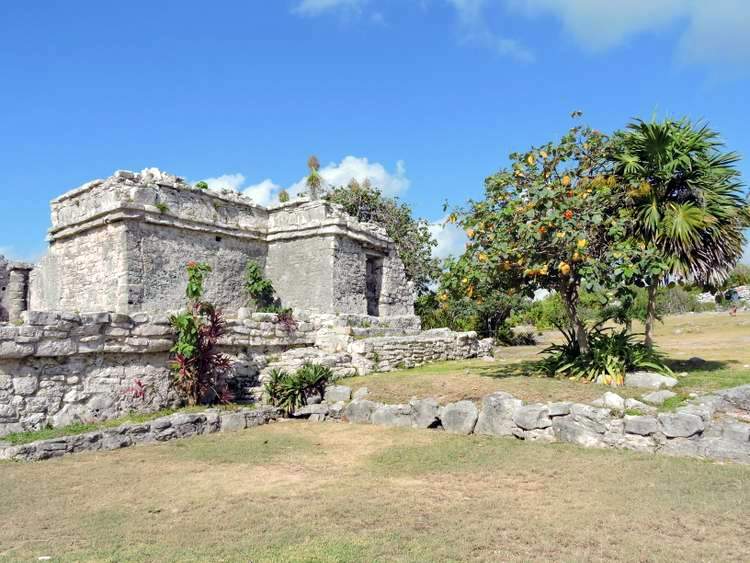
374	281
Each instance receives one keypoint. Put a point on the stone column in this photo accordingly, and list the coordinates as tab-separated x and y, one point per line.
18	290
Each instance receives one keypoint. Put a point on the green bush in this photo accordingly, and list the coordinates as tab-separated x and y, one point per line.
613	353
292	391
259	288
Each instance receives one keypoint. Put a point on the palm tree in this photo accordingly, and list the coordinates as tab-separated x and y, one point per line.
687	201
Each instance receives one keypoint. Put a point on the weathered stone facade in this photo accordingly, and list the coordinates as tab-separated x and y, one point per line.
121	245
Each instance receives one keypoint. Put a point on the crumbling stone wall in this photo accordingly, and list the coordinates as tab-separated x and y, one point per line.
59	368
14	288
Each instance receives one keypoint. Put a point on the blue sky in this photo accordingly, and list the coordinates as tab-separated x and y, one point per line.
426	97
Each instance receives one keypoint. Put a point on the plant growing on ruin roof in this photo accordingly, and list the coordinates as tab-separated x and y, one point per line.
162	207
283	196
314	181
200	370
201	186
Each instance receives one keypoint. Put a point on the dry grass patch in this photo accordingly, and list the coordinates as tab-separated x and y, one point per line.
306	492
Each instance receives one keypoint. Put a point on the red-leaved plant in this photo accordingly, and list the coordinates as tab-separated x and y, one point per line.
200	370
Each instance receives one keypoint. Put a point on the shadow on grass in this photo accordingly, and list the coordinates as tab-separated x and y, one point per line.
702	366
526	368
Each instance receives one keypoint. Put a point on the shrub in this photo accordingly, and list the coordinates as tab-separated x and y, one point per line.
283	196
201	186
258	287
292	391
199	369
611	355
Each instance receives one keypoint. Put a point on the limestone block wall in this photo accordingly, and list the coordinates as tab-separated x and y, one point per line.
394	352
157	258
87	272
301	270
58	368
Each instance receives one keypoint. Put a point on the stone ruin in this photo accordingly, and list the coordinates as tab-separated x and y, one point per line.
84	334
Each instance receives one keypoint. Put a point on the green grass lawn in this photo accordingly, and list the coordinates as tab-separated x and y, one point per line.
723	342
337	492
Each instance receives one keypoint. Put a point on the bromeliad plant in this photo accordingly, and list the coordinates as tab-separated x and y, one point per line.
199	369
612	354
292	391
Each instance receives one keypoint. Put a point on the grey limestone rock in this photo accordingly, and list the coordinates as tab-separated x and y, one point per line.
680	425
392	416
360	411
336	393
649	380
496	418
641	425
424	413
532	417
459	417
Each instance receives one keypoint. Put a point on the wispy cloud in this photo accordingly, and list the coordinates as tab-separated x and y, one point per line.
711	31
318	7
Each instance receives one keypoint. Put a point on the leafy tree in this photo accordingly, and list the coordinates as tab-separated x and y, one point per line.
689	212
550	220
413	239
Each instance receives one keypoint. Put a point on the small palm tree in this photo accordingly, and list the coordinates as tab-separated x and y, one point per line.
687	200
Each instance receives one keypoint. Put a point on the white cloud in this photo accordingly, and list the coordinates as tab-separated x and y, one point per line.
263	193
360	169
391	183
317	7
716	31
451	240
226	182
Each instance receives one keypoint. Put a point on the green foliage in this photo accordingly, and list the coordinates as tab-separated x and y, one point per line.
199	369
259	288
544	314
739	276
413	239
686	195
611	355
314	181
292	391
549	221
201	186
162	207
283	196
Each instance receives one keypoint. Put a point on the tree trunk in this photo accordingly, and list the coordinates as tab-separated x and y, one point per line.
650	314
569	295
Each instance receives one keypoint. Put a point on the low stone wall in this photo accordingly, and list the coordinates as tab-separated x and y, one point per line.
712	427
180	425
395	352
59	368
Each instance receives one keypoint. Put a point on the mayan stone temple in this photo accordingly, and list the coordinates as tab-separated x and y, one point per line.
89	322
